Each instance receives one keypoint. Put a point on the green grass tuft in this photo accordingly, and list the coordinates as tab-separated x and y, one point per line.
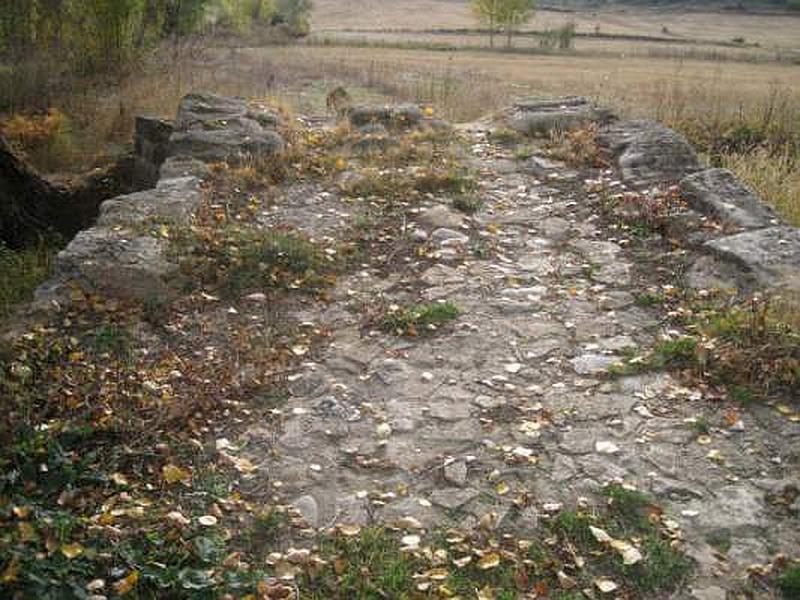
789	583
21	272
409	320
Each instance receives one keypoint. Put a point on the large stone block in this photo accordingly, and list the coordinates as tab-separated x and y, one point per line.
770	256
400	115
717	193
649	153
121	263
212	128
540	116
172	201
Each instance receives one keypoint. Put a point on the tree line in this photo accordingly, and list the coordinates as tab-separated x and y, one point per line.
87	36
503	15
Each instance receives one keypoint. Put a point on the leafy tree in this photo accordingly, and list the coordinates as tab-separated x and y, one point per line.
513	13
488	13
296	14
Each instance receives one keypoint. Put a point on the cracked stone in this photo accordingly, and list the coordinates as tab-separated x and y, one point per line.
308	509
456	472
592	364
452	499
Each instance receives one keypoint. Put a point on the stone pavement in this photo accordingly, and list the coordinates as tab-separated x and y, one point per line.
512	400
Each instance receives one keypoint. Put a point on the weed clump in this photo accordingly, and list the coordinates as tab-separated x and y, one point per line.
789	583
425	317
21	272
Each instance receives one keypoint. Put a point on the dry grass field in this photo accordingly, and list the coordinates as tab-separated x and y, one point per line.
771	31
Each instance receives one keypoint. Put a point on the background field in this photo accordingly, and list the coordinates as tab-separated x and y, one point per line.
738	102
682	22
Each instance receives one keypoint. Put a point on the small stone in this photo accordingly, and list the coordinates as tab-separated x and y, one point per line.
456	473
709	593
453	498
419	236
591	364
489	402
448	237
440	217
602	447
308	509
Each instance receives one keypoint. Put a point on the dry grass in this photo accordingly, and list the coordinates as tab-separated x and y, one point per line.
775	176
590	46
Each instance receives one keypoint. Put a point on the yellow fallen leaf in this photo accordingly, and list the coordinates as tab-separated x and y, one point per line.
630	554
119	479
489	561
605	585
126	584
22	512
600	535
72	550
462	562
349	530
27	532
11	572
243	465
439	574
174	474
502	488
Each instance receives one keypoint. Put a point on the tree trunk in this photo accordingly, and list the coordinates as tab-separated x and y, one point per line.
32	208
26	201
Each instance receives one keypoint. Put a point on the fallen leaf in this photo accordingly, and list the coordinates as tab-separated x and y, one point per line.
630	554
22	512
489	561
349	530
462	562
125	585
439	574
605	585
600	535
119	479
71	551
411	542
174	474
11	572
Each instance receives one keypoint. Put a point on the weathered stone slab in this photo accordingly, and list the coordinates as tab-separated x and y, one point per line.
151	148
540	116
717	193
401	115
247	141
172	201
125	255
648	153
176	167
211	128
200	110
119	263
771	256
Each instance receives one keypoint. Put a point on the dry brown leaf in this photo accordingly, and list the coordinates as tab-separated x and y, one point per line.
489	561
